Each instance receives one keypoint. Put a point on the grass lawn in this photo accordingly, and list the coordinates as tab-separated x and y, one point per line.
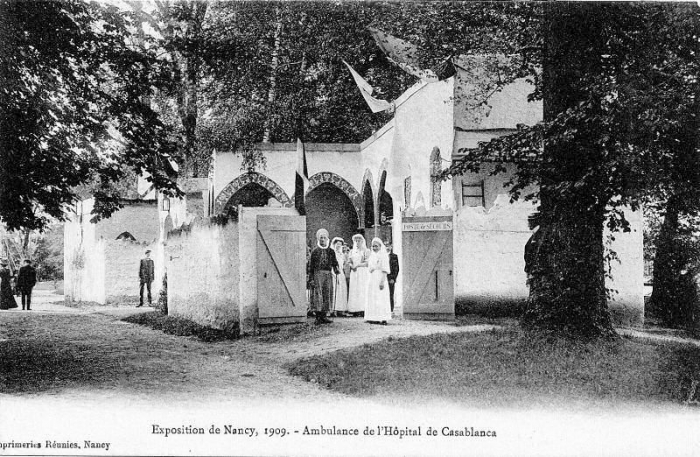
507	368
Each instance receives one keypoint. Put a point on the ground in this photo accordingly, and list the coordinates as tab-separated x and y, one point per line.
67	370
81	351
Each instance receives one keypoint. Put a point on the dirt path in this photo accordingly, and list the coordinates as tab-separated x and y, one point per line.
72	375
75	353
57	350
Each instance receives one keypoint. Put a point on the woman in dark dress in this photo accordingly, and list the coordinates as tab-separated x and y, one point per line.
7	298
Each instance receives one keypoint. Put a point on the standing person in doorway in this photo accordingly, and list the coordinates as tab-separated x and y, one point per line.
26	280
378	306
146	276
359	276
346	265
393	272
340	294
7	298
322	265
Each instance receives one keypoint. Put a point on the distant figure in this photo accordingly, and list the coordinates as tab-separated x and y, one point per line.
340	294
146	276
378	306
322	264
346	265
393	272
359	276
26	280
7	298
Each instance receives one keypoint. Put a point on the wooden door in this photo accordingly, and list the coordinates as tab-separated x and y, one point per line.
281	272
428	280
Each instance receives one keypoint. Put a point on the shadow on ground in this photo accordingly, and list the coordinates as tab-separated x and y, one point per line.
52	352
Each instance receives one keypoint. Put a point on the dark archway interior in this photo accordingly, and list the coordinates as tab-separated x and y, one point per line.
250	195
328	207
369	206
386	203
386	208
126	236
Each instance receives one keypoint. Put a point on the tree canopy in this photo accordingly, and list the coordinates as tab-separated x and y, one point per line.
619	87
72	109
88	96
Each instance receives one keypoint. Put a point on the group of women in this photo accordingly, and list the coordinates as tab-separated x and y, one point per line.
367	288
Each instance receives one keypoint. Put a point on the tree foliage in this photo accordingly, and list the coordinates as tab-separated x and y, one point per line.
72	110
619	87
48	254
274	72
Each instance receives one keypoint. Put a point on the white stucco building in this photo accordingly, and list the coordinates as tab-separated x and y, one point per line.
460	242
384	187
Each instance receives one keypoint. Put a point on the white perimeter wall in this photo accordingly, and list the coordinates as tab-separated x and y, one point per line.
98	268
83	258
203	273
489	260
212	271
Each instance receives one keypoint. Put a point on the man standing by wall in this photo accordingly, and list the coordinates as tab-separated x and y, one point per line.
26	280
146	275
393	272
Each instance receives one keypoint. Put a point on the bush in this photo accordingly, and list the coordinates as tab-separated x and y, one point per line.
183	327
491	308
162	304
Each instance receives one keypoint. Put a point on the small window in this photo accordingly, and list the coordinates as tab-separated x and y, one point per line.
407	192
435	169
473	194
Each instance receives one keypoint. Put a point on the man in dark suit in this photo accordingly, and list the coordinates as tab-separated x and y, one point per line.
26	280
393	272
146	276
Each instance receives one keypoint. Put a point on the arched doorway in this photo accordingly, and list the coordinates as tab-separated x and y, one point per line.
251	195
327	206
249	189
386	203
368	199
386	211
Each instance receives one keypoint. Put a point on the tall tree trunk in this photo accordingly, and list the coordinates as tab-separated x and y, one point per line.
194	30
274	64
567	288
665	303
187	61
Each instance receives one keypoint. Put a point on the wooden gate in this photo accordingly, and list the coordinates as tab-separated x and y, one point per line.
428	281
281	260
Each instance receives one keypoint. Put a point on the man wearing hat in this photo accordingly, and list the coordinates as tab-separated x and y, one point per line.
26	280
321	265
146	276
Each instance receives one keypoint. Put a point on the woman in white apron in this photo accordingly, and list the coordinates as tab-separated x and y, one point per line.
359	275
378	303
340	294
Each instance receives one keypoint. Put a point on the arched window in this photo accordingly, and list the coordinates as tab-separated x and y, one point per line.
436	184
369	205
386	203
126	236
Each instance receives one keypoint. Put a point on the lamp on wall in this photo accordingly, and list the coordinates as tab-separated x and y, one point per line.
166	204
